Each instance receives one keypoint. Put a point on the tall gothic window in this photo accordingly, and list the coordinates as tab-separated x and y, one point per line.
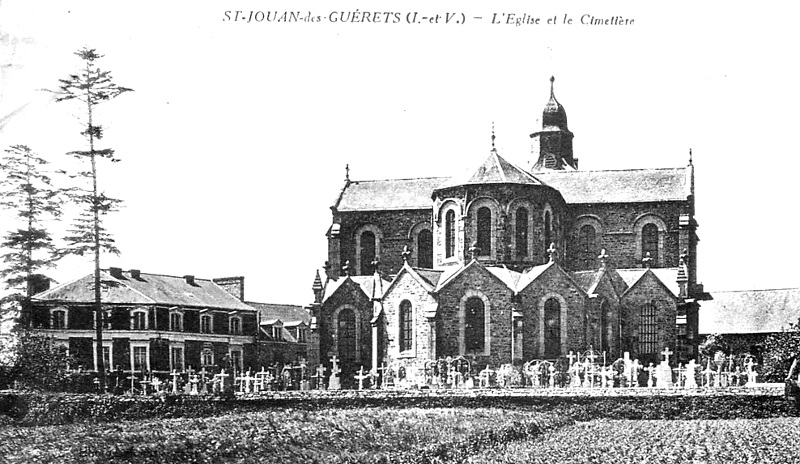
425	249
406	326
474	325
521	236
367	252
650	242
548	236
648	329
484	231
552	328
346	325
586	249
450	234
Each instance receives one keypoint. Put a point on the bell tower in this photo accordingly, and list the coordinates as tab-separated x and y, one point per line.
553	144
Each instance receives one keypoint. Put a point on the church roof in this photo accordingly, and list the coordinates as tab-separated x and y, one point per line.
509	277
366	283
494	170
431	276
750	311
388	194
625	186
667	275
145	289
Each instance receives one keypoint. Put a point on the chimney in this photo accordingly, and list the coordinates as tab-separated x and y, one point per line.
189	279
135	273
115	272
232	285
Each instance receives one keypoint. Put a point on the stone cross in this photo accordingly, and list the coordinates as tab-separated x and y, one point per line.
156	383
666	354
376	263
603	257
473	250
484	377
133	379
571	357
635	368
691	367
320	376
406	254
221	379
650	373
647	261
193	381
551	250
360	377
346	268
203	373
175	376
333	381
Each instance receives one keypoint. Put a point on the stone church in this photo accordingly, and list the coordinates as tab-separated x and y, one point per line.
501	264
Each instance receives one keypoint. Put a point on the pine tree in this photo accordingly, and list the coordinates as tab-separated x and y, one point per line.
27	190
91	86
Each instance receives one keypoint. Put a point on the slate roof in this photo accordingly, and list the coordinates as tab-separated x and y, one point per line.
365	282
632	185
494	170
147	289
289	315
750	311
430	275
586	280
389	194
667	275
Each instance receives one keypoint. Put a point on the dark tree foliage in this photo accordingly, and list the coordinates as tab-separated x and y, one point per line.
91	86
33	363
778	351
27	190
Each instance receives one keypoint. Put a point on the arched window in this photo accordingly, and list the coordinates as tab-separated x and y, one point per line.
586	248
521	235
548	236
450	234
484	231
367	252
425	249
235	325
650	242
406	326
139	319
648	329
552	328
206	323
474	325
346	325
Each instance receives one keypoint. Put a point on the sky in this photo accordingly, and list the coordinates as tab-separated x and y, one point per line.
235	139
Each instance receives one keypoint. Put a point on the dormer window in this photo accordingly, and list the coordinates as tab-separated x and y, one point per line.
277	332
301	335
139	319
206	323
235	325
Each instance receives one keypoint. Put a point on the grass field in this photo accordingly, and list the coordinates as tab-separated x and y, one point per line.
662	441
405	435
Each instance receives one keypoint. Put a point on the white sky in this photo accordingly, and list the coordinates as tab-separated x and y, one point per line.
234	143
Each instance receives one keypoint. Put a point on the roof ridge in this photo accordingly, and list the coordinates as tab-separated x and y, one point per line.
160	275
564	171
712	292
402	178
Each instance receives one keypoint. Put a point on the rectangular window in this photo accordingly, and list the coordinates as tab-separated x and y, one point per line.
207	357
176	322
277	333
176	358
648	329
301	335
236	326
139	320
205	323
59	320
107	357
139	358
236	359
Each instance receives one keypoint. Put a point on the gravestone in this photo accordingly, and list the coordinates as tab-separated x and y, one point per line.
360	377
691	372
751	374
333	381
664	372
650	375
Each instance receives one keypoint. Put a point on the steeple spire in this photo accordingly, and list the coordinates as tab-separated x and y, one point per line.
493	137
552	145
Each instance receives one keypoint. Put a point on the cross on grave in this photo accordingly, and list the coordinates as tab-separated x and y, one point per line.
680	374
144	383
603	257
591	356
551	250
175	376
572	356
333	381
219	380
360	377
406	254
484	377
193	381
666	354
707	373
156	383
650	373
319	377
203	380
132	378
261	380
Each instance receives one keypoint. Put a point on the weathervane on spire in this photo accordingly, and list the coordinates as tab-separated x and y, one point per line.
493	137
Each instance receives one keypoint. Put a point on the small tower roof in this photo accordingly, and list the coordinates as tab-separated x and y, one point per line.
493	170
554	114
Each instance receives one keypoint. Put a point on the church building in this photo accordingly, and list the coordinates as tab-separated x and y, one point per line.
501	264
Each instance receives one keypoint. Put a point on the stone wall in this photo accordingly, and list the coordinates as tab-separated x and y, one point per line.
408	288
